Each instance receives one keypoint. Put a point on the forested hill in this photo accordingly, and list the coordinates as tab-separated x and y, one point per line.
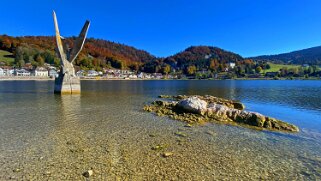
310	56
96	53
196	58
195	54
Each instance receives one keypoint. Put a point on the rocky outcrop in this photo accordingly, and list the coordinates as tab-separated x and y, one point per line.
198	109
209	99
193	105
223	113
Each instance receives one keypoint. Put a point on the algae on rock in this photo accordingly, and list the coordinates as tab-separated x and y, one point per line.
202	109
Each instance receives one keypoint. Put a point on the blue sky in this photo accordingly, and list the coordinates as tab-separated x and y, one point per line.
165	27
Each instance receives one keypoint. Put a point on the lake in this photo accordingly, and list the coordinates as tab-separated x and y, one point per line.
45	136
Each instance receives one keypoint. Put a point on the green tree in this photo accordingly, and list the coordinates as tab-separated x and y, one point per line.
56	62
220	67
134	67
34	63
267	66
301	71
315	68
86	62
20	63
18	55
122	65
240	70
48	57
258	69
40	60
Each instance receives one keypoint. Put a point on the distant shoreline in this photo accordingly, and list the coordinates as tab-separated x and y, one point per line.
118	79
9	78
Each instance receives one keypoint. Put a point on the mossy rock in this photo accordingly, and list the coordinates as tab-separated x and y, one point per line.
225	111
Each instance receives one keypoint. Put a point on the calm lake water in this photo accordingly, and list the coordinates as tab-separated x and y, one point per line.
45	136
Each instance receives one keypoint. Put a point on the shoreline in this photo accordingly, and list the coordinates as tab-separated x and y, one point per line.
118	79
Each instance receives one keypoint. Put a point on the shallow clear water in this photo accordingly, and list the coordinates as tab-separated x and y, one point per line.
46	136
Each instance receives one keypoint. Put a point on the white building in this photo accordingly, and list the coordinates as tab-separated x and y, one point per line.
140	75
143	75
7	72
92	73
132	76
118	71
22	72
128	72
157	76
232	65
52	73
80	73
41	72
2	72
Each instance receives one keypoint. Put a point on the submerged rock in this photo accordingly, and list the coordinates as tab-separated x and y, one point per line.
199	109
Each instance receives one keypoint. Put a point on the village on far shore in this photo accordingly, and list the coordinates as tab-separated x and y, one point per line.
48	71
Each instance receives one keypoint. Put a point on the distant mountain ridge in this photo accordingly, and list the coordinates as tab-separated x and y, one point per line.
310	56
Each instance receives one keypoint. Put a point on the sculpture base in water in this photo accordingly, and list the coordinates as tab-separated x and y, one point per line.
66	84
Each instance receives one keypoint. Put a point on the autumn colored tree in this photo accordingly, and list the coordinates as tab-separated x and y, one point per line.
191	70
248	61
166	69
212	64
5	43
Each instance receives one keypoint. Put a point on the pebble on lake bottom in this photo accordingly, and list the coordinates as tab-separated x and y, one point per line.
167	154
88	173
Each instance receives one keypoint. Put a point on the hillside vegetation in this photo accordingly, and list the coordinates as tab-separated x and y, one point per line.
277	67
95	55
6	58
98	54
310	56
197	58
195	61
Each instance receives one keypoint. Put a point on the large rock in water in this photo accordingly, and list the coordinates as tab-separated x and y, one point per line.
192	105
224	113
